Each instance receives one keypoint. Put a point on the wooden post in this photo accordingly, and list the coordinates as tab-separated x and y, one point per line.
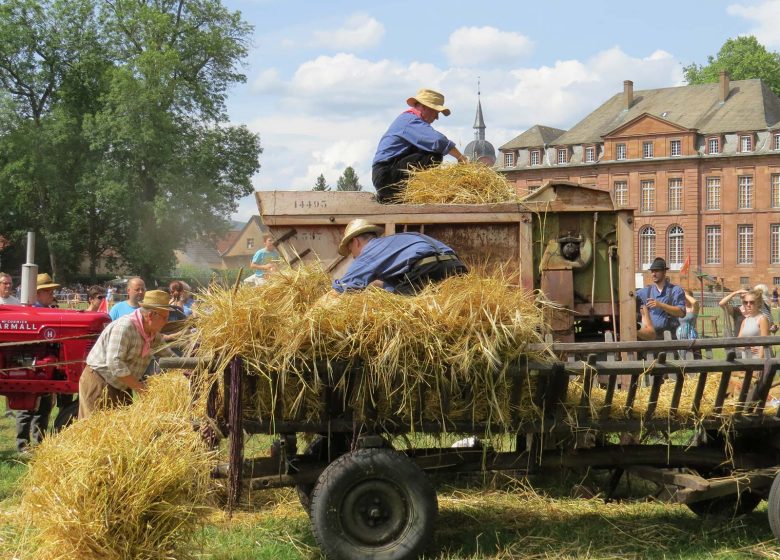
236	424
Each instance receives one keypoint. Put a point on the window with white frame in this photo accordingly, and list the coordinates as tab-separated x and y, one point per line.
250	242
562	155
509	159
620	151
675	148
647	149
536	157
712	193
745	244
712	245
745	192
675	247
646	246
647	198
776	280
776	141
775	190
590	154
746	143
621	193
774	244
675	195
744	281
713	146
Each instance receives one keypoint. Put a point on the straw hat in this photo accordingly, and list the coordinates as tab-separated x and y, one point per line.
431	99
44	282
157	299
356	227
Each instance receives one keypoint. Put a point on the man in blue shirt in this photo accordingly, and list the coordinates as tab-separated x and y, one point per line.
664	300
136	288
402	263
411	141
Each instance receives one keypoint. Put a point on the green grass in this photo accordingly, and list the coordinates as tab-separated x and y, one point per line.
489	517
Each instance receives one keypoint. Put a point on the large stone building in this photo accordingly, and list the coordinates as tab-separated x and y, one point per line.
699	164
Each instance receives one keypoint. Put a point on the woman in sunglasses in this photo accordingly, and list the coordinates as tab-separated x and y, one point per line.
755	322
95	296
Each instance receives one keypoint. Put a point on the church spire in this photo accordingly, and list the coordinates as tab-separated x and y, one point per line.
479	121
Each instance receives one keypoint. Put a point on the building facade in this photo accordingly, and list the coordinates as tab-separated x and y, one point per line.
700	166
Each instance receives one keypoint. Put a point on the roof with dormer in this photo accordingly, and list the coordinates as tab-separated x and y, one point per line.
536	136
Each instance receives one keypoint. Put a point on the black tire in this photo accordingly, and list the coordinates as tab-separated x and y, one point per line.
66	416
773	507
727	507
373	504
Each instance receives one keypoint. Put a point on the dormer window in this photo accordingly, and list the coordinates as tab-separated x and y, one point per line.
509	159
713	146
536	157
563	156
590	154
746	143
776	141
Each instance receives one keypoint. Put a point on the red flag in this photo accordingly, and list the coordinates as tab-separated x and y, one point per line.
686	266
103	306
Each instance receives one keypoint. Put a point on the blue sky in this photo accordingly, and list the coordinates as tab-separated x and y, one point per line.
324	79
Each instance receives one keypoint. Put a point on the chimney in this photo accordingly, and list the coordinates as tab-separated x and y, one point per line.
723	89
628	94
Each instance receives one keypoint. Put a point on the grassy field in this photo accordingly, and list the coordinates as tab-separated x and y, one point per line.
495	517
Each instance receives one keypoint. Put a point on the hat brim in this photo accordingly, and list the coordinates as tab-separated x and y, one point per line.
440	108
157	306
343	250
47	286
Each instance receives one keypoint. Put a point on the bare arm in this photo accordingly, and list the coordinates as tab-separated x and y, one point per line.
455	152
725	301
133	383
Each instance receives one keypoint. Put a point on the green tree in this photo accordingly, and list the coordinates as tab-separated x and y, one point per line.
320	184
348	181
743	58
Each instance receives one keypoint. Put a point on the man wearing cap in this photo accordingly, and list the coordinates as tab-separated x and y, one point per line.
136	288
411	141
119	359
664	300
402	263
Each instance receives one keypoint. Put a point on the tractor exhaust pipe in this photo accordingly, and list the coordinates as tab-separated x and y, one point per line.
29	273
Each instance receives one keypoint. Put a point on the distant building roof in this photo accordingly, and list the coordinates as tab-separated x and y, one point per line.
750	105
226	242
535	136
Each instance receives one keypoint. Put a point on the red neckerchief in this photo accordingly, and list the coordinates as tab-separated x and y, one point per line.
414	111
137	319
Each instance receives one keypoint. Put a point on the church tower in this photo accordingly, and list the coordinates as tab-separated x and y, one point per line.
480	149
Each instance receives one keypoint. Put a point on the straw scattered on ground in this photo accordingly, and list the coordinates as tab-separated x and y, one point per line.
131	482
463	183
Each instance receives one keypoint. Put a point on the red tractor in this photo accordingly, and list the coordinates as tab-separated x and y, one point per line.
42	351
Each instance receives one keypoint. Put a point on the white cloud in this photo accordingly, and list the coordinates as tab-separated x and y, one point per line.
766	19
360	31
473	46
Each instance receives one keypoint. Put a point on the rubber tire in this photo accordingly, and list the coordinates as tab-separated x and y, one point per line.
66	416
726	507
317	447
392	486
773	506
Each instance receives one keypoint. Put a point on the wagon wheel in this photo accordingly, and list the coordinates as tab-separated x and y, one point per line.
773	506
318	448
373	503
66	416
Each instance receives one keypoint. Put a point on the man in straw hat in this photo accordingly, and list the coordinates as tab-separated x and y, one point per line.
402	263
117	362
664	300
411	141
31	425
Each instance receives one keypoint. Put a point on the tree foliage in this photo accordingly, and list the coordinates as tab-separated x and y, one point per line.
320	184
348	181
113	130
743	58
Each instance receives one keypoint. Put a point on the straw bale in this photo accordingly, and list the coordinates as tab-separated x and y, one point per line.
463	183
131	482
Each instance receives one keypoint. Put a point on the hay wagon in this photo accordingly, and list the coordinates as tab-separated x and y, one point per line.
680	421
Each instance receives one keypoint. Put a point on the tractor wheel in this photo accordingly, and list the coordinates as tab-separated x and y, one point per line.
373	504
66	416
727	507
773	507
318	447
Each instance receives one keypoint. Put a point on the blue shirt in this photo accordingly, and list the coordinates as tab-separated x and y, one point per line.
672	295
120	309
409	133
264	257
388	259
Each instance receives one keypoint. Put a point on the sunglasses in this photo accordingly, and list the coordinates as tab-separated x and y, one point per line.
749	301
99	297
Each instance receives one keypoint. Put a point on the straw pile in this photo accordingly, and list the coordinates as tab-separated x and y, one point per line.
463	183
126	483
455	338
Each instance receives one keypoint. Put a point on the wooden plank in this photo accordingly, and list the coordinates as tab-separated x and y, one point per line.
525	239
665	476
625	257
